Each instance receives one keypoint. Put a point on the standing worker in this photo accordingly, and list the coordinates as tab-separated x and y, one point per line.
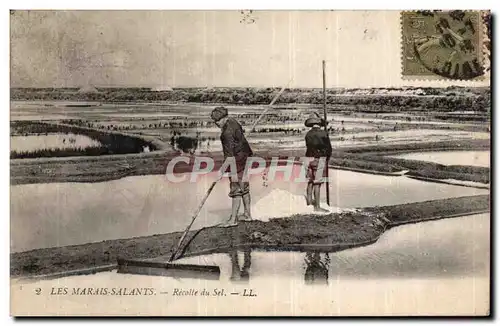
319	147
235	145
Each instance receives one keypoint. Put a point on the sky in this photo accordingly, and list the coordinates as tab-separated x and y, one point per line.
208	49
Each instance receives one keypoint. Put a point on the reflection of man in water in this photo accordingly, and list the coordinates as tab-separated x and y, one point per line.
237	274
316	268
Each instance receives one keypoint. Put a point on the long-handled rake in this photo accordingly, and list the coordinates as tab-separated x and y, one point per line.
146	267
130	266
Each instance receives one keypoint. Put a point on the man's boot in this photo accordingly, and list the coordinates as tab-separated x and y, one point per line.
247	208
233	219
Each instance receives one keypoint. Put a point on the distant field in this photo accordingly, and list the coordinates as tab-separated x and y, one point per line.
188	127
128	120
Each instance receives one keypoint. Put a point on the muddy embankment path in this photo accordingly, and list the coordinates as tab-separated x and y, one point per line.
331	232
367	159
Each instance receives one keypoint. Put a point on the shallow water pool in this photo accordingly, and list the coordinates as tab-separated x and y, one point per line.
474	158
61	214
31	143
437	267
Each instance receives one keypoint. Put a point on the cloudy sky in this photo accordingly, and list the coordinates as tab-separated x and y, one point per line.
206	48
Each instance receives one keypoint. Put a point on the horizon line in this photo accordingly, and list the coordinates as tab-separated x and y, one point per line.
260	87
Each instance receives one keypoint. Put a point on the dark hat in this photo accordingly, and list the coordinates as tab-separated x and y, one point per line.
218	113
314	119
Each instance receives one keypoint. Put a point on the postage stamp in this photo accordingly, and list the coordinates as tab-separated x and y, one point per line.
443	44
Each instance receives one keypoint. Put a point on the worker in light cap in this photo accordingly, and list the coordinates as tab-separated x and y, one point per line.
318	147
235	145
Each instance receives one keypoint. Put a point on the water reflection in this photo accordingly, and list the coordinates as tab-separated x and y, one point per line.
240	275
116	207
316	270
444	249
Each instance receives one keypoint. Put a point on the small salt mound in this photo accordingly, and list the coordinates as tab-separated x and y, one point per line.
281	203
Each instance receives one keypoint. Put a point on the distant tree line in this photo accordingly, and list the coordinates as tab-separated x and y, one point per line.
448	99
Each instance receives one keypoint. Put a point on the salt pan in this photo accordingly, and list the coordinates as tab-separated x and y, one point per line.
281	203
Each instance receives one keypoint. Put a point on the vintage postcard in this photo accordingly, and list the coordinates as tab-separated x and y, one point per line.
250	163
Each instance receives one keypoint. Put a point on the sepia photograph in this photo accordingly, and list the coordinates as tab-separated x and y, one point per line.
230	163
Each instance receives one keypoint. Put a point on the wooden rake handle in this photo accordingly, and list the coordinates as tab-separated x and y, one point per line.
194	218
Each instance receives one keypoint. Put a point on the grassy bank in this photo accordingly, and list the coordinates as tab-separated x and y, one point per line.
353	163
104	168
101	168
433	170
451	145
61	152
376	155
300	232
112	142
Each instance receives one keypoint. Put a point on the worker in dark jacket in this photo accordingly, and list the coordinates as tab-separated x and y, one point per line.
318	147
235	145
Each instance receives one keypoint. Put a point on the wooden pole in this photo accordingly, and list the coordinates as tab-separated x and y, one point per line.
271	104
327	184
178	247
